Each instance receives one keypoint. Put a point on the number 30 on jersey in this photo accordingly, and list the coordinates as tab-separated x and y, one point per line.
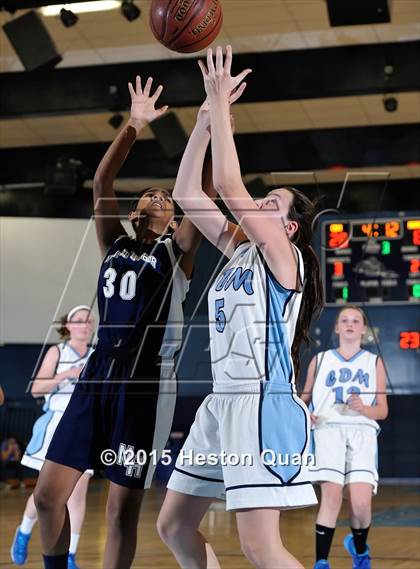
127	284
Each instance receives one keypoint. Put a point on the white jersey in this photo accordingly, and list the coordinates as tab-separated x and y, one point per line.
69	358
172	338
336	379
252	322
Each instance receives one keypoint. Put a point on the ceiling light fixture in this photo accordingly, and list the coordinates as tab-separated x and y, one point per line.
81	7
390	104
116	120
68	18
129	10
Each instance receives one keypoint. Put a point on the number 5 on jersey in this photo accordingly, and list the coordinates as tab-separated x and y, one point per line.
220	316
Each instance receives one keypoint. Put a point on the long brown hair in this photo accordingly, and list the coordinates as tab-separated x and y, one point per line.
303	211
62	330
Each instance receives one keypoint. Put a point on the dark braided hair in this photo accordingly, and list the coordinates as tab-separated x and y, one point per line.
303	211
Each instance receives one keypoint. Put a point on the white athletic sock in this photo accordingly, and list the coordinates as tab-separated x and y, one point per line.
74	542
27	524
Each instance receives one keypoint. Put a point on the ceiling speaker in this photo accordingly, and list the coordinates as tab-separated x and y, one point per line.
32	42
358	12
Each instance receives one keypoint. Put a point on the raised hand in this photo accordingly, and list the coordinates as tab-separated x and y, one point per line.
203	115
218	80
143	109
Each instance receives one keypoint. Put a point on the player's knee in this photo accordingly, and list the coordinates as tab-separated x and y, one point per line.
266	554
334	502
45	500
175	529
168	529
255	552
361	507
164	529
333	498
122	516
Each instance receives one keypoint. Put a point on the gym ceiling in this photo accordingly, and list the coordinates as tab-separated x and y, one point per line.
314	110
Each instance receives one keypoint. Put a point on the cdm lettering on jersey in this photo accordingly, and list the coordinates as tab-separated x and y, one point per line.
345	376
236	277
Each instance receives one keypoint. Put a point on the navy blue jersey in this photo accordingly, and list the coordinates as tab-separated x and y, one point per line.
140	286
125	396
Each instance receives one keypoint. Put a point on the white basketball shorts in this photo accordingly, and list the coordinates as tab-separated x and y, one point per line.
42	433
249	449
345	454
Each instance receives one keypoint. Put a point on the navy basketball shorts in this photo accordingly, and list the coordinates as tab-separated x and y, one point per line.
119	418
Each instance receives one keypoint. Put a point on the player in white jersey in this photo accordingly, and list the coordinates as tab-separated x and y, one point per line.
347	390
252	433
55	381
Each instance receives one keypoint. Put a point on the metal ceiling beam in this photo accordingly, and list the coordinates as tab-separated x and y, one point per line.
13	5
362	196
277	76
357	147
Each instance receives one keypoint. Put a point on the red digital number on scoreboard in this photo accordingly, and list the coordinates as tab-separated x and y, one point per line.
415	266
338	269
409	340
338	240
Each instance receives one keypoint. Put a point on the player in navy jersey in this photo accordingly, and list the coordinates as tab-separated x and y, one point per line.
125	399
346	388
260	308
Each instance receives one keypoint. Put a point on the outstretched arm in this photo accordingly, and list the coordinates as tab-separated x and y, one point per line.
108	224
265	229
187	235
189	194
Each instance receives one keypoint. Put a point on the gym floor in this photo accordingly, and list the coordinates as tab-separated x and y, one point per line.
394	537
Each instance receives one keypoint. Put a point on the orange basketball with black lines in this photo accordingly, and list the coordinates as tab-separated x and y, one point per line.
186	26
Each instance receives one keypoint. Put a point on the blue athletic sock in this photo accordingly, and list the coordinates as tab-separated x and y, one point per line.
56	561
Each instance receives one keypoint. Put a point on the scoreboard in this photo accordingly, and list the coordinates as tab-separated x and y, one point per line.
371	260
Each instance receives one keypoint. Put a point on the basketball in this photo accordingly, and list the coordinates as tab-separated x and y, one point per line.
186	26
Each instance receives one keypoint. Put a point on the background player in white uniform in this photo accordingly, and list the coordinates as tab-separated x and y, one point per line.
259	311
55	381
347	390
